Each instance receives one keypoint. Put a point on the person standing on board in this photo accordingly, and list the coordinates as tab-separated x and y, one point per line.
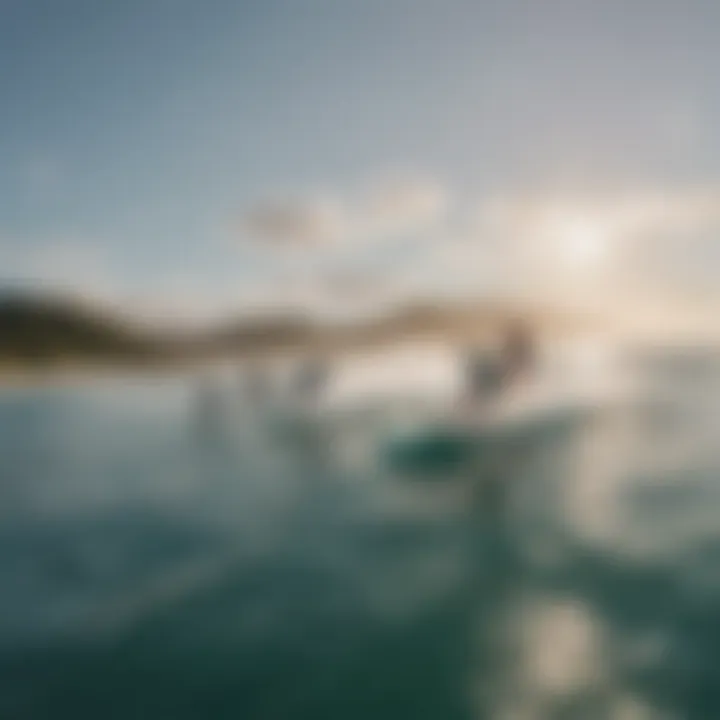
518	353
311	380
483	377
490	375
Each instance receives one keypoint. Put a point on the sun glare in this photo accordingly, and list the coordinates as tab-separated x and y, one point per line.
581	243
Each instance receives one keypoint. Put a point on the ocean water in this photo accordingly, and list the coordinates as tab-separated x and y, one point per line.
166	553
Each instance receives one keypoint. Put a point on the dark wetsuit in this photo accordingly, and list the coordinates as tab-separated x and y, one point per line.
257	385
484	376
518	353
311	379
489	375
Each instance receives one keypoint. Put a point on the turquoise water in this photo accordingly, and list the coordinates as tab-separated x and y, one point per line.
160	560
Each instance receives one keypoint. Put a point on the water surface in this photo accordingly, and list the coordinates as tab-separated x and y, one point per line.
164	559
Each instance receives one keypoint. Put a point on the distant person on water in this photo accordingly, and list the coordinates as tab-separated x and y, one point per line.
208	409
518	354
483	376
258	384
489	375
311	379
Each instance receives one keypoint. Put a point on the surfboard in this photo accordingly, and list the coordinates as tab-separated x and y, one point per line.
460	441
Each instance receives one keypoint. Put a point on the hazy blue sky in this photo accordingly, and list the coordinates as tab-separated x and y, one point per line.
145	145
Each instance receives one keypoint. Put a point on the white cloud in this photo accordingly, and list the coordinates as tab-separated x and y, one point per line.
385	210
404	205
302	222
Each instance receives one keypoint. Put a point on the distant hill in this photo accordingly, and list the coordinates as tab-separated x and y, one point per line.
44	330
262	333
417	320
38	330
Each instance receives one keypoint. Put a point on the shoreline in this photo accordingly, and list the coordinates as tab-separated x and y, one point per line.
68	372
61	373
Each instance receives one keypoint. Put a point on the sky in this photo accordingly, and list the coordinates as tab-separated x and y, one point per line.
196	157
